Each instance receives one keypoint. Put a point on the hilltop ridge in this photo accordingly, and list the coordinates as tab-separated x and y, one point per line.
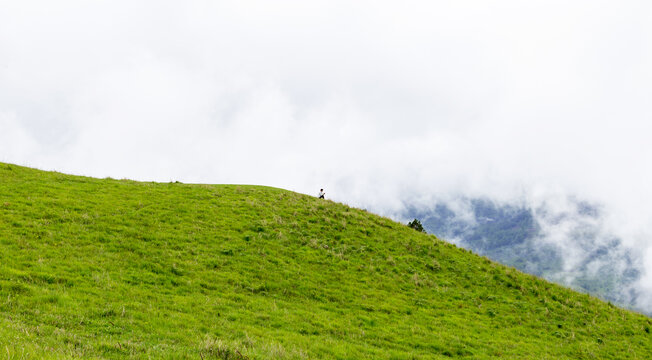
103	268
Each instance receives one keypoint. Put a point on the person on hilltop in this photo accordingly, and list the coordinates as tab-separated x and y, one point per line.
321	193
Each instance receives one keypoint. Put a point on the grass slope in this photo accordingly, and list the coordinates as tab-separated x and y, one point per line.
113	269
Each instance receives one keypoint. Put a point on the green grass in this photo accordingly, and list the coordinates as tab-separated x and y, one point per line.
102	268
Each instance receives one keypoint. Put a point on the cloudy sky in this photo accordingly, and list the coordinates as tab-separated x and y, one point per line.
378	102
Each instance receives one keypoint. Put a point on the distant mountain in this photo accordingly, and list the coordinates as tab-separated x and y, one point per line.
517	236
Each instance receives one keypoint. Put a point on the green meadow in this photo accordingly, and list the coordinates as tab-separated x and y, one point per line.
113	269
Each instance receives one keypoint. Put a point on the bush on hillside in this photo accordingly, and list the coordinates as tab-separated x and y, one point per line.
416	225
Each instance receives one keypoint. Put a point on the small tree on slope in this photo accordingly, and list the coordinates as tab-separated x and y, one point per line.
416	225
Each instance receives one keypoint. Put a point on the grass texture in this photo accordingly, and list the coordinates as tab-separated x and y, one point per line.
113	269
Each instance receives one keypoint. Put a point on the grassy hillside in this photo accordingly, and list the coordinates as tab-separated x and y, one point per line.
113	269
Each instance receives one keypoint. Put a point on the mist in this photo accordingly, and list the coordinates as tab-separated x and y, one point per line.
380	104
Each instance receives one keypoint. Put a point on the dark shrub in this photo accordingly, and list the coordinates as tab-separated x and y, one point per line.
416	225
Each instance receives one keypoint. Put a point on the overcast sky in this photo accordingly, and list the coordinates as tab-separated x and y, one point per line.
378	102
